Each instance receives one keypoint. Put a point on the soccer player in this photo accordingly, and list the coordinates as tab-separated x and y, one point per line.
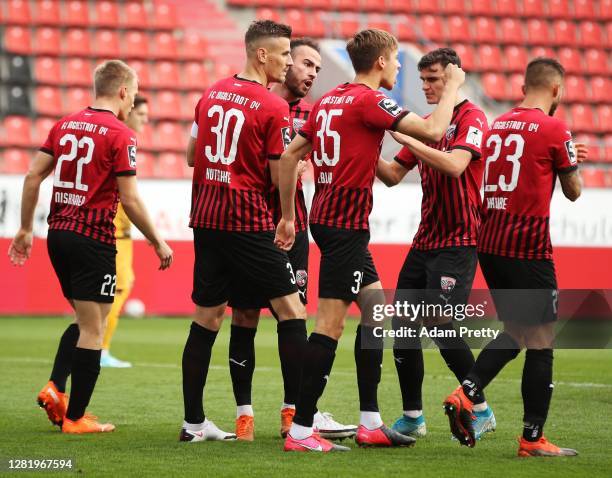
525	151
138	117
92	155
345	130
442	260
240	130
246	302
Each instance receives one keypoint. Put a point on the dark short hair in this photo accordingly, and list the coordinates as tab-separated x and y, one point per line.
367	46
542	71
444	56
305	41
265	29
139	100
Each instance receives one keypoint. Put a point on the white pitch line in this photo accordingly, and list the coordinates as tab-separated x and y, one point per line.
338	371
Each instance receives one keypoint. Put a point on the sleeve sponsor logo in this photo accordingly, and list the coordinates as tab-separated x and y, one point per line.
390	106
286	136
571	152
132	155
474	136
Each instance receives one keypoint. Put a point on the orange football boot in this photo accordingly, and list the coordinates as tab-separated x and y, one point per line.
286	420
245	428
458	408
54	402
542	447
86	424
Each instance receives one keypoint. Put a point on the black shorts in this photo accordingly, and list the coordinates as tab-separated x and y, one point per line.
524	290
252	256
250	298
85	267
439	276
346	262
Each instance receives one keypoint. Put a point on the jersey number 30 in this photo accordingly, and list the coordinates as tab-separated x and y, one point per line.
221	131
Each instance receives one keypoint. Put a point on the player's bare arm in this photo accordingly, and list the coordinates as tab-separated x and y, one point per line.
433	127
274	171
390	172
137	213
451	163
571	184
190	155
21	246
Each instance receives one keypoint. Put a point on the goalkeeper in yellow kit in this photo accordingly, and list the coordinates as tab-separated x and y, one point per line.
138	117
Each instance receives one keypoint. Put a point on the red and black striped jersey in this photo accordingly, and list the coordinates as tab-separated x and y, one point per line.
346	128
239	127
90	149
450	208
298	114
524	151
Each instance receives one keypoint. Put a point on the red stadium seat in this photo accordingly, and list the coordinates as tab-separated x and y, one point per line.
604	118
107	14
142	70
571	59
77	43
135	44
48	101
400	6
348	25
405	27
596	61
582	118
490	58
17	40
495	86
594	145
506	8
564	32
76	99
167	105
47	12
76	13
512	31
432	28
346	5
373	5
134	15
426	6
193	46
558	9
484	30
297	19
171	166
516	58
47	41
164	16
194	76
539	51
15	161
145	164
575	89
189	103
605	10
42	127
47	70
538	32
18	12
608	148
454	6
458	29
533	8
164	46
266	13
379	21
466	53
17	131
145	137
169	135
600	89
591	34
319	4
165	75
318	22
481	7
584	8
516	86
106	44
593	177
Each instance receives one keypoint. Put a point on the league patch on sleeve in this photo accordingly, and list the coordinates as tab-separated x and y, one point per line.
390	106
571	152
132	155
474	136
286	135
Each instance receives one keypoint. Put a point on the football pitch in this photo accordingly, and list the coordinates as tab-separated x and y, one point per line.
145	404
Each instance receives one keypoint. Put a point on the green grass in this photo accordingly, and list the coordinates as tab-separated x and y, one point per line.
146	406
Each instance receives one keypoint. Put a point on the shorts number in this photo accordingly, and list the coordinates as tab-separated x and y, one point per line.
555	300
75	144
290	267
319	155
513	158
109	282
358	275
221	131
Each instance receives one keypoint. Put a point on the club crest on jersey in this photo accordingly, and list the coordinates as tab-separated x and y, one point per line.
132	155
447	283
450	132
571	152
390	106
297	124
301	277
286	135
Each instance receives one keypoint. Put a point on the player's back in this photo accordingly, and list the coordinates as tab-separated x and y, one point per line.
346	128
241	126
524	150
90	148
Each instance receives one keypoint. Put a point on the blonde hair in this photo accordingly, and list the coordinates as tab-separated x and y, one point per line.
367	46
110	76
